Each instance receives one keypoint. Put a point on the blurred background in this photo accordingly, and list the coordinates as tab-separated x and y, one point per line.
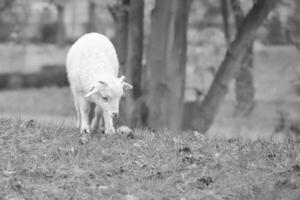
263	97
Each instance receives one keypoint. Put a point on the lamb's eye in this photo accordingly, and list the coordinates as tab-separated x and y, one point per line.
105	99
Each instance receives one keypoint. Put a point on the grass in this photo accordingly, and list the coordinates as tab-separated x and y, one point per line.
48	162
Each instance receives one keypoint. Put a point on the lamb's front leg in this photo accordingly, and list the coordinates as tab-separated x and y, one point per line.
85	109
96	122
108	123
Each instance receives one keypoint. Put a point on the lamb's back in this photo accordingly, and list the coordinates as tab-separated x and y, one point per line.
92	47
91	55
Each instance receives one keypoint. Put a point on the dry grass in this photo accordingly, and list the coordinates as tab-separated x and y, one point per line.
47	162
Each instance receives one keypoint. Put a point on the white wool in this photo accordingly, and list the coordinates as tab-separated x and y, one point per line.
91	58
92	68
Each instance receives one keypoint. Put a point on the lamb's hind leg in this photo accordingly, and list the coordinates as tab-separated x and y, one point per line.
78	117
85	109
108	123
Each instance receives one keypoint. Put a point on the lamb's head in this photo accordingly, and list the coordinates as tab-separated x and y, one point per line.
107	93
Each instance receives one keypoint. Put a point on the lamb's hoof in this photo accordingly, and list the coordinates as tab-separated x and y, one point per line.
102	131
109	131
85	130
84	138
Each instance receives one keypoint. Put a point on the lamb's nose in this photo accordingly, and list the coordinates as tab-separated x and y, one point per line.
115	114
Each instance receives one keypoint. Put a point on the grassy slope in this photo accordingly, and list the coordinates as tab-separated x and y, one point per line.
47	162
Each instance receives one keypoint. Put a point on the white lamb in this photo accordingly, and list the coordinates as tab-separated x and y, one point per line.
92	68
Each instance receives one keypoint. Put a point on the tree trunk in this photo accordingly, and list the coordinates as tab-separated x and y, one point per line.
231	63
92	16
134	54
244	84
135	46
119	12
166	63
60	32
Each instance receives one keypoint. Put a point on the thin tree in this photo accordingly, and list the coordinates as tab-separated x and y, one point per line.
134	55
231	63
119	12
60	34
61	31
166	63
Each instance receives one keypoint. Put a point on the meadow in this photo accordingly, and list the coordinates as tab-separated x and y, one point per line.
48	162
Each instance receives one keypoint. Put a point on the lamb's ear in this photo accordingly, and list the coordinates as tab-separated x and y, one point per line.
122	78
93	90
127	86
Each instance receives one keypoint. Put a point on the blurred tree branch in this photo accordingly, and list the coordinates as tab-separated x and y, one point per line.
231	63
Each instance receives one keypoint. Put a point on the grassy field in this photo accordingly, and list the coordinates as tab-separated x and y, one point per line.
48	162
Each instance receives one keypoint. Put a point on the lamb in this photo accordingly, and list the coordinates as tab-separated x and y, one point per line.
92	68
